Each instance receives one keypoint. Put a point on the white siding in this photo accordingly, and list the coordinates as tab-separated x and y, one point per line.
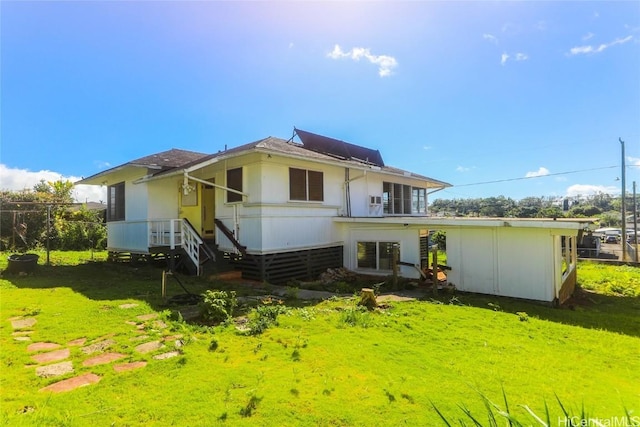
267	221
163	198
512	262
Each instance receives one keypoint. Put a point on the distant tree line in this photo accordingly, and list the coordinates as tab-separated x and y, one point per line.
601	205
23	219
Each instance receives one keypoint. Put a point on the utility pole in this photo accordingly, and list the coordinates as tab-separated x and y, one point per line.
635	220
624	210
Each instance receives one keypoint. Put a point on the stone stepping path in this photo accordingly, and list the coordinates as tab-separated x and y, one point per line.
54	370
97	347
44	353
148	347
103	359
72	383
40	346
168	355
52	356
129	366
23	323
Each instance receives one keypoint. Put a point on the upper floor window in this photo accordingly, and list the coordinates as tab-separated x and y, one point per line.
399	199
306	185
234	181
115	202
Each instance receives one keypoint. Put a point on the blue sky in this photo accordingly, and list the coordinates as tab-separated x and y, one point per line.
464	92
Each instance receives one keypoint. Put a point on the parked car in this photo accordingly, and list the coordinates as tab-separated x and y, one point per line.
611	239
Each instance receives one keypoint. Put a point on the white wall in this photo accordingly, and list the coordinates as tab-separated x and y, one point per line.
266	220
515	262
163	198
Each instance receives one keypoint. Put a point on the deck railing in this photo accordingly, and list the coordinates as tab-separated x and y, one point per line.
143	235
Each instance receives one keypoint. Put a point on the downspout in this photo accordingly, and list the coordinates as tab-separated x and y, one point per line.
347	189
347	192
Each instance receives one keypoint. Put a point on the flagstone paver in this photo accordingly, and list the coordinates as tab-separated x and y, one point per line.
159	324
40	346
103	359
172	337
139	338
52	356
145	317
21	333
129	366
72	383
166	355
96	347
54	370
77	342
23	338
130	322
148	347
129	305
23	323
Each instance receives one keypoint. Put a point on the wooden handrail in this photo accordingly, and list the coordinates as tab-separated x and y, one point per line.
229	234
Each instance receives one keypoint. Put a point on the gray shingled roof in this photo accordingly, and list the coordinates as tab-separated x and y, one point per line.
169	159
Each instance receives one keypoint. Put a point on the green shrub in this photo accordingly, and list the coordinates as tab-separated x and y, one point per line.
264	316
218	306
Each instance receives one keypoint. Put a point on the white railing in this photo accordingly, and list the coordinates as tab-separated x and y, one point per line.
191	242
140	236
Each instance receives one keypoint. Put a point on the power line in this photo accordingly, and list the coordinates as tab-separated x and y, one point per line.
536	176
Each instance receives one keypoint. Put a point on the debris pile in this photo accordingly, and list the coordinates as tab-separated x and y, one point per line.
334	275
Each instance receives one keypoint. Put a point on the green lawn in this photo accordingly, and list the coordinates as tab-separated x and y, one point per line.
325	363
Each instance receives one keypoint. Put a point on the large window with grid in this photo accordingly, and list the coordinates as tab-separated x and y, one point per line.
376	255
400	199
306	185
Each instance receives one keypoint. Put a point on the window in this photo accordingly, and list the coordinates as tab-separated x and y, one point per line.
234	181
115	202
398	199
306	185
376	255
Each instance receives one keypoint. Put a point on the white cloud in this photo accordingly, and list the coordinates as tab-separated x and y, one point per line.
290	45
587	36
385	63
491	38
14	179
587	49
463	169
587	189
540	172
634	161
427	147
519	56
